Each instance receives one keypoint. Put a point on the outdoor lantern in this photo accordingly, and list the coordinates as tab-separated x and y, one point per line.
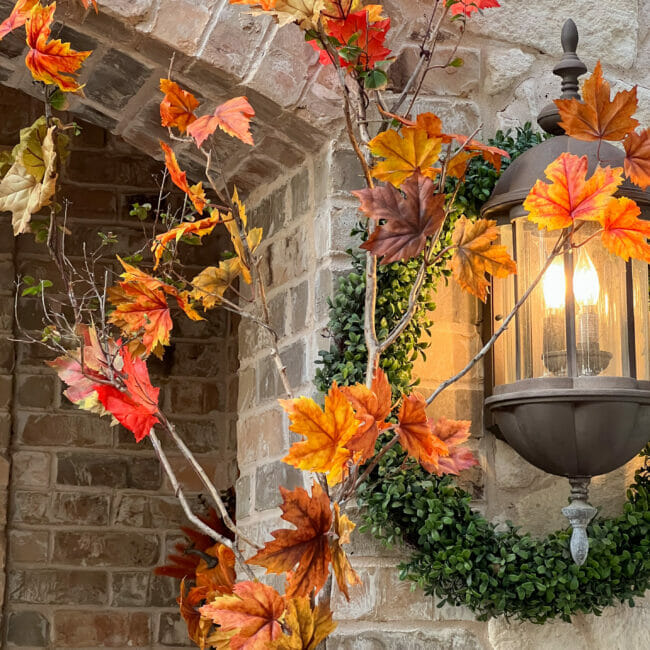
571	374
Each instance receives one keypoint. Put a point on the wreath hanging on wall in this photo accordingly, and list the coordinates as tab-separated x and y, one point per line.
455	553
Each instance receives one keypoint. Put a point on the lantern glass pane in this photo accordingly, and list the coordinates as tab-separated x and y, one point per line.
503	301
541	321
641	319
599	289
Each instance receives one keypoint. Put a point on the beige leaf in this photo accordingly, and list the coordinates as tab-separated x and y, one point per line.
22	195
304	12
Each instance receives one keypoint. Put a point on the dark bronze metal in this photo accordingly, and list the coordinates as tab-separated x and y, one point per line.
574	426
569	68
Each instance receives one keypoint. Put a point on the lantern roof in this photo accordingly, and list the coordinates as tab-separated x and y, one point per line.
518	179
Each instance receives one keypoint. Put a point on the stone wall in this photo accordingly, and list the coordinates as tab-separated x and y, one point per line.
297	180
90	512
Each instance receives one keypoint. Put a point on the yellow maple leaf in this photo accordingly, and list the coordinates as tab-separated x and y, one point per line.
211	283
327	431
307	627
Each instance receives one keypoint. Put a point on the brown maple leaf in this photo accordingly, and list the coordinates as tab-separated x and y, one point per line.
637	157
305	551
409	220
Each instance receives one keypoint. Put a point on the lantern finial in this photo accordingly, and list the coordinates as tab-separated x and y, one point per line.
569	68
579	513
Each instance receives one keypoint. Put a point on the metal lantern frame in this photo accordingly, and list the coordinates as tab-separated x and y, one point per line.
573	426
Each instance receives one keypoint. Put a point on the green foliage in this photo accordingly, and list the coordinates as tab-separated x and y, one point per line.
456	554
464	560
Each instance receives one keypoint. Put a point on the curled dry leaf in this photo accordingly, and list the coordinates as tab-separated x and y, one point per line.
570	196
177	107
409	220
198	229
212	282
327	432
415	431
597	117
343	572
371	406
22	194
196	192
306	627
253	237
454	433
476	254
51	62
232	117
17	17
254	611
624	234
637	157
304	552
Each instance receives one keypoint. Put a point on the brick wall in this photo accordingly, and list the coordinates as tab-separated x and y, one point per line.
90	511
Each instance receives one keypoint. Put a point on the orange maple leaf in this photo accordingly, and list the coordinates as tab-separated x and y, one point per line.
195	193
597	117
51	62
254	611
327	433
476	254
304	552
220	575
232	116
415	430
265	5
570	195
454	433
17	17
198	627
624	234
87	3
142	311
372	406
637	157
177	107
198	228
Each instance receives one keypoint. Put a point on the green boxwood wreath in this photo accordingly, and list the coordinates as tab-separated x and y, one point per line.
456	553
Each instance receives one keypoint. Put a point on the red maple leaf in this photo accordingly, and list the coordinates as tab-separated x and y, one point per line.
17	17
468	7
135	406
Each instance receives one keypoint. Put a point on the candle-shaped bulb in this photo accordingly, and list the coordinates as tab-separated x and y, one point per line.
586	286
554	285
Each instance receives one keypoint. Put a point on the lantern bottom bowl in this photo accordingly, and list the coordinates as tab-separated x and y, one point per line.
582	426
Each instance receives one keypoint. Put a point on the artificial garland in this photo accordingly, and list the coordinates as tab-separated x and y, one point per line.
456	553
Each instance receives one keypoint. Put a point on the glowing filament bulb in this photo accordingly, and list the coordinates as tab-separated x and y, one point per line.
554	285
586	286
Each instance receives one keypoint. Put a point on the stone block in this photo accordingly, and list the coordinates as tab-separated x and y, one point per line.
405	638
196	398
268	382
607	35
80	509
173	631
244	496
116	79
458	116
184	35
200	359
261	436
269	478
130	589
148	511
78	430
247	389
299	306
289	257
109	548
36	391
505	67
288	61
346	173
28	546
278	313
28	628
294	358
234	40
31	507
6	354
95	470
272	211
57	586
6	391
80	629
459	81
